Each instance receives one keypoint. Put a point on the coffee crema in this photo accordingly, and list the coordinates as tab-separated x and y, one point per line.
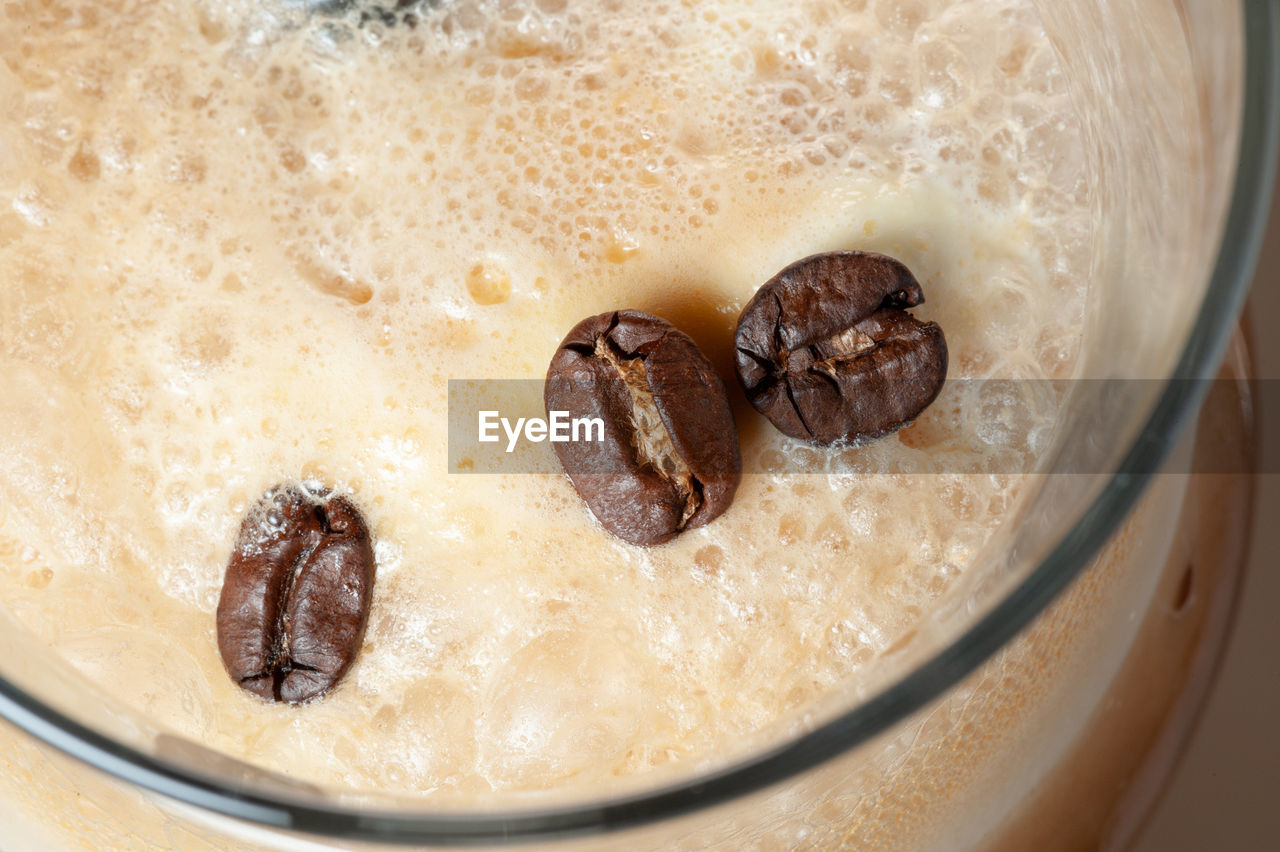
243	244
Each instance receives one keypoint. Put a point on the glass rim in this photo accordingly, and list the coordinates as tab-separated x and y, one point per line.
1223	301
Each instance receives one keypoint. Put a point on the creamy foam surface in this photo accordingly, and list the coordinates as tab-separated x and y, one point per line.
241	244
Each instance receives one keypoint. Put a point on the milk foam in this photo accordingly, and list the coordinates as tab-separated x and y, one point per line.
245	243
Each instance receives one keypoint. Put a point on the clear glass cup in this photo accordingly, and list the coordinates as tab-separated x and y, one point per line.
980	705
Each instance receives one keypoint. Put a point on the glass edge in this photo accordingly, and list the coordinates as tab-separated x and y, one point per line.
1237	255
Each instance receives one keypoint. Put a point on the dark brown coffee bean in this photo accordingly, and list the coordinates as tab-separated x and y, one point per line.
669	460
826	351
295	600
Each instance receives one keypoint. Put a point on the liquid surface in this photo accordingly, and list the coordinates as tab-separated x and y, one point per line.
241	243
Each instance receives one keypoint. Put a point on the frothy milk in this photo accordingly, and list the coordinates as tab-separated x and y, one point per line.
243	242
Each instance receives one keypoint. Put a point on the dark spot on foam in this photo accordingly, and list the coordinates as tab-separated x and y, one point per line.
361	13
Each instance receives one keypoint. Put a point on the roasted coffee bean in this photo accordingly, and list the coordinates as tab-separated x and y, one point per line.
826	351
295	600
669	460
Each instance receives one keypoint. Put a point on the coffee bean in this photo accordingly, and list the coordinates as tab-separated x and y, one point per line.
295	599
826	351
669	460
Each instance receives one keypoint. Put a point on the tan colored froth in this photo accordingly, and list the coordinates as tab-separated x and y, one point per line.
240	244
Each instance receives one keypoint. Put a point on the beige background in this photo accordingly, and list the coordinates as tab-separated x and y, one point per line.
1226	791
